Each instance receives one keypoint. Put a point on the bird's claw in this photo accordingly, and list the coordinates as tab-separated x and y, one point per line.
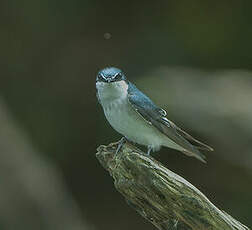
149	150
120	144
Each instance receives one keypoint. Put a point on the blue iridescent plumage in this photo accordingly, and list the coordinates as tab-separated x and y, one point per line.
157	129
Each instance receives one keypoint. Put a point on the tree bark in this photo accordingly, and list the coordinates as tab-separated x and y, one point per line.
164	198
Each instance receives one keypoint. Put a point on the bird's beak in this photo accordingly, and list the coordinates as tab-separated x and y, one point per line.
109	80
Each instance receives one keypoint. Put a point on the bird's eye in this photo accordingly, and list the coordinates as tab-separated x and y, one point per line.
100	78
117	77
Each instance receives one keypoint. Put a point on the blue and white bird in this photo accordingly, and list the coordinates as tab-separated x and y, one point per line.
133	114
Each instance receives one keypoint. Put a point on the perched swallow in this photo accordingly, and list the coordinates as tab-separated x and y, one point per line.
131	113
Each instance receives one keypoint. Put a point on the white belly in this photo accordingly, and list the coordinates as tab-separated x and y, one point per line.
125	120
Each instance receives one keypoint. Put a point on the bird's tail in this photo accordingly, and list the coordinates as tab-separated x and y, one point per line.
197	154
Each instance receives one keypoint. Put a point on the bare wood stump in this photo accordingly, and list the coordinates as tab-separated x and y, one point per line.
164	198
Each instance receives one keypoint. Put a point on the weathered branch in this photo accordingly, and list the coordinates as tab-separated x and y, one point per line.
159	195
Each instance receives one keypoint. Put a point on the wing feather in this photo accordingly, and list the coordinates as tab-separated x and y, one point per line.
156	116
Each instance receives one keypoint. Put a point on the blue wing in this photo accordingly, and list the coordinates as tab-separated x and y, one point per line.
156	116
143	105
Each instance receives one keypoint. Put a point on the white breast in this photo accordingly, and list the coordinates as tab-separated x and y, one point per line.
123	118
108	92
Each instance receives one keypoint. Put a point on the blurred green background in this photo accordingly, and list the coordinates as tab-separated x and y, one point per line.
193	58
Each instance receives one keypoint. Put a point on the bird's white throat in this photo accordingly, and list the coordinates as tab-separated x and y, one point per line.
109	92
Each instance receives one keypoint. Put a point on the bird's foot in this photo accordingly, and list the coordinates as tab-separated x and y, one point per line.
120	144
149	150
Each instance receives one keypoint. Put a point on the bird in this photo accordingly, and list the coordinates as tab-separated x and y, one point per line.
138	119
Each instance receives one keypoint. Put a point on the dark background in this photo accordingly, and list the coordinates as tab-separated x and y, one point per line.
193	58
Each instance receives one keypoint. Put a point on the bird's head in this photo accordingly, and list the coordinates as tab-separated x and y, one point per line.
110	74
111	83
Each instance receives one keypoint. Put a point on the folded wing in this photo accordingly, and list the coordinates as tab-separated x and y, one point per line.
156	116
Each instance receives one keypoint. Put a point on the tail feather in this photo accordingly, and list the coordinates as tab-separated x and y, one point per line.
196	143
197	154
